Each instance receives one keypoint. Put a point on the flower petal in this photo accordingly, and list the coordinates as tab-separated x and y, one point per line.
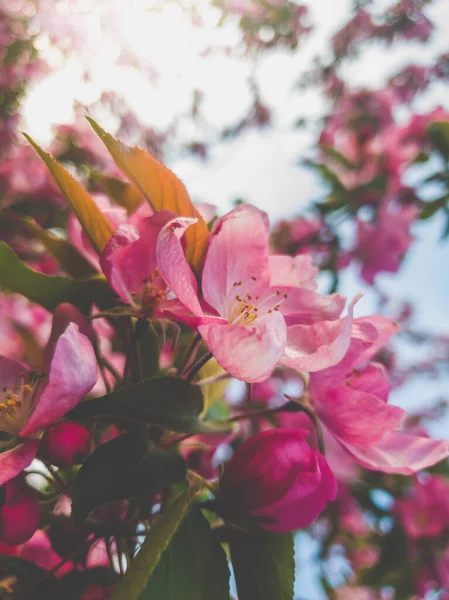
73	373
173	266
318	346
130	255
238	251
249	353
401	453
287	271
14	461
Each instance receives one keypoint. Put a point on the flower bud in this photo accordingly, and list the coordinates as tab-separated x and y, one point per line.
276	479
19	512
65	444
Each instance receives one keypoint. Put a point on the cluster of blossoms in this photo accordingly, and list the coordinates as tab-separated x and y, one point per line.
252	313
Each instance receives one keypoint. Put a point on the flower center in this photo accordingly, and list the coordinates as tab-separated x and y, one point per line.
151	294
247	307
16	406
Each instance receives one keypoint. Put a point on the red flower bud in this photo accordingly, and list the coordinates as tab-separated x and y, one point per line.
275	478
19	512
65	444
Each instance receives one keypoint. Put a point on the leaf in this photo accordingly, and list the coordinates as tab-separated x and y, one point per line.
162	530
68	257
212	391
123	193
93	221
124	467
162	189
193	567
26	571
338	156
168	401
439	136
46	290
264	565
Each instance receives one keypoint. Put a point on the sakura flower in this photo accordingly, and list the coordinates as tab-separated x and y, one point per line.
129	263
256	310
30	402
381	245
351	397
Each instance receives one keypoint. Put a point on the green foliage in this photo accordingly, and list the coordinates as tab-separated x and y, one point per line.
124	467
162	531
193	567
263	564
168	401
46	290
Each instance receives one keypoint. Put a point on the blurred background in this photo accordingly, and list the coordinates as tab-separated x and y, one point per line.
331	116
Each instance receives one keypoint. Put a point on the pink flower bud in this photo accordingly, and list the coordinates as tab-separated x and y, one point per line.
275	478
19	512
65	444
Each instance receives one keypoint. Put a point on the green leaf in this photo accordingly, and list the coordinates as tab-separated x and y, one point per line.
68	257
46	290
162	189
162	531
193	567
123	193
168	401
93	221
439	136
338	157
124	467
26	571
264	565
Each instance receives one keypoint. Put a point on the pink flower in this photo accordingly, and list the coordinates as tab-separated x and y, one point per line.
382	244
425	513
30	403
256	310
19	512
351	398
275	478
129	263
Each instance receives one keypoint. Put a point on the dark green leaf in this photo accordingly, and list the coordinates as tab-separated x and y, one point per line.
68	257
193	567
46	290
338	157
26	571
263	564
168	401
158	539
125	467
439	136
327	174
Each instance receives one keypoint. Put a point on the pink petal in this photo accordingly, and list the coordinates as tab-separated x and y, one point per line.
73	373
318	346
173	265
64	314
10	372
401	453
287	271
304	306
296	511
249	353
356	417
385	329
238	251
130	255
14	461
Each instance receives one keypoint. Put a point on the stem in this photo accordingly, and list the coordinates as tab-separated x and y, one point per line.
190	353
214	379
102	371
309	412
195	478
111	369
197	366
